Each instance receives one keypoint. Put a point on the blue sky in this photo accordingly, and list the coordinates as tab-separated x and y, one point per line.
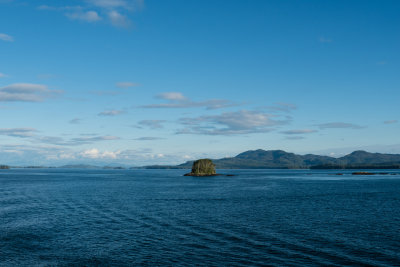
139	82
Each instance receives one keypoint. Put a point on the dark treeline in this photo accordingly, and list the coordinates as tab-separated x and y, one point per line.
354	167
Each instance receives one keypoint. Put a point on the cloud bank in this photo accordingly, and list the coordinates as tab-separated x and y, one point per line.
231	123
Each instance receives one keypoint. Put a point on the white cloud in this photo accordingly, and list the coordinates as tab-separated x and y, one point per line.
94	153
118	20
25	92
110	113
124	85
89	16
6	37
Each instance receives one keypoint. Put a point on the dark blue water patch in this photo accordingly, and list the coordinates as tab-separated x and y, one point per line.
55	217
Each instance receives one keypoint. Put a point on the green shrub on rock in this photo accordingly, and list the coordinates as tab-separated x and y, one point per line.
202	167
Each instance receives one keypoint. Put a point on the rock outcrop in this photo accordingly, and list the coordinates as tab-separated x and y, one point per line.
202	167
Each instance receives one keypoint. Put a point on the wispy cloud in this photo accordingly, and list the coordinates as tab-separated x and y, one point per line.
110	113
332	125
26	92
18	132
109	3
294	137
75	121
105	92
34	136
124	85
390	121
152	124
49	140
148	138
173	96
178	100
2	75
116	12
87	140
77	141
131	5
118	20
88	16
323	39
231	123
300	131
282	107
6	37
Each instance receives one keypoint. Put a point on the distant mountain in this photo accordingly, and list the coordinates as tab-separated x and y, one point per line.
279	159
79	166
363	157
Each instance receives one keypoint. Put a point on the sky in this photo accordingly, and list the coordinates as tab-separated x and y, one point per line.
139	82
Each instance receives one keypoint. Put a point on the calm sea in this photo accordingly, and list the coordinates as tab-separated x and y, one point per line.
60	217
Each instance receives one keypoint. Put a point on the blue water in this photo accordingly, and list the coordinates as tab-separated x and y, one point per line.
59	217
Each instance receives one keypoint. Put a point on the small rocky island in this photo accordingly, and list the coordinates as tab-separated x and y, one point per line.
203	167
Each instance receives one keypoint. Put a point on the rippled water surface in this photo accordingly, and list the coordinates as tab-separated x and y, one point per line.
56	217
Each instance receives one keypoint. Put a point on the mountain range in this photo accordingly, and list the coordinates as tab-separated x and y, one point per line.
279	159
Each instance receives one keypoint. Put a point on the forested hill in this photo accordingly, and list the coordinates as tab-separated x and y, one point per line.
279	159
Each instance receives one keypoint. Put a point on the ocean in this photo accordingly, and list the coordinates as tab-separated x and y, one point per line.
77	217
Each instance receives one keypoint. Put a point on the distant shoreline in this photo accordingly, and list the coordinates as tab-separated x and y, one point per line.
270	159
178	168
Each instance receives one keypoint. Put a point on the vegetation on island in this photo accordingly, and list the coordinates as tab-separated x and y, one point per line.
4	167
202	167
